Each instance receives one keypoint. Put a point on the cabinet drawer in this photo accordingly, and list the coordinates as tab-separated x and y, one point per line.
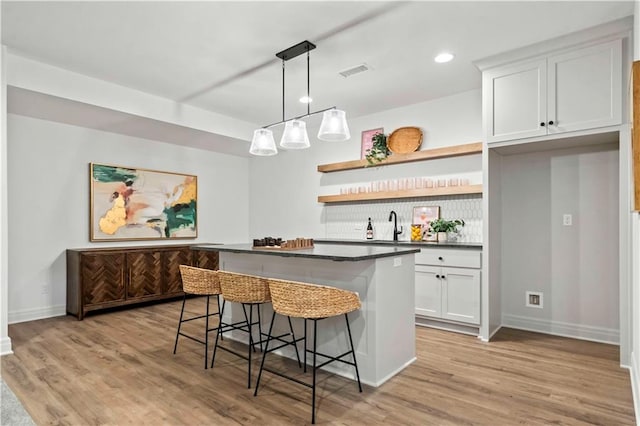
447	257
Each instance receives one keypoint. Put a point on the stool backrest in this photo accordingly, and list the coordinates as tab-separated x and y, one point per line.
199	281
242	288
303	300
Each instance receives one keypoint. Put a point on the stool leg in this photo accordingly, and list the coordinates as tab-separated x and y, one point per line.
250	344
218	334
305	345
206	335
295	344
259	327
353	352
220	315
246	319
264	354
175	347
313	388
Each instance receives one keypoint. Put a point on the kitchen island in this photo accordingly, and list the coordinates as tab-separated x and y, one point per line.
384	277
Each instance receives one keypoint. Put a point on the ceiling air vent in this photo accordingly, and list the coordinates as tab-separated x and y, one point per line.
354	70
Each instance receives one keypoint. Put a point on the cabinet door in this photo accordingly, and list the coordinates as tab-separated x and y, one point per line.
206	259
585	88
428	291
515	101
144	274
172	259
102	278
461	295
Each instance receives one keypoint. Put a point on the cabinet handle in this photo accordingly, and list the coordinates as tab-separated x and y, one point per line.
551	123
437	276
440	258
443	276
542	124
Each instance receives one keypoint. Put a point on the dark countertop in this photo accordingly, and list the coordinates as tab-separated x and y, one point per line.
337	252
417	244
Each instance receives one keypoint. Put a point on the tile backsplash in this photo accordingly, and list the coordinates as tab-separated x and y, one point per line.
349	220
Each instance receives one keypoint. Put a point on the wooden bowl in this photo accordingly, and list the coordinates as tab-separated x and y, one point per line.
404	140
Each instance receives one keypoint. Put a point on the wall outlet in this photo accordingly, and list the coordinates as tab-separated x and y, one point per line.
534	299
567	220
397	261
45	289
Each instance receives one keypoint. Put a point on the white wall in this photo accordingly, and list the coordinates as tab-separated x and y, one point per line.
576	267
284	188
48	199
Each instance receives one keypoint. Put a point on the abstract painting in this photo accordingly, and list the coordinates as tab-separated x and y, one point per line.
141	204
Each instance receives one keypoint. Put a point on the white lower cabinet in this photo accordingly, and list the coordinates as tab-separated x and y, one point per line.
448	292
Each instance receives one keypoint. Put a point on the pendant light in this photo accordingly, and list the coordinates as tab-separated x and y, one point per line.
263	143
333	127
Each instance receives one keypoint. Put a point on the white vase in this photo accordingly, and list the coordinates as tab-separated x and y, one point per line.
442	237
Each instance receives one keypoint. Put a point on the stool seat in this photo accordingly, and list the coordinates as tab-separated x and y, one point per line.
204	282
303	300
243	288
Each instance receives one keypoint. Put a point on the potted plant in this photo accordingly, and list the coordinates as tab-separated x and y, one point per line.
379	150
443	226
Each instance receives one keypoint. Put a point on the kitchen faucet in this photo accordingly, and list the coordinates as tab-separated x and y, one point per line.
394	216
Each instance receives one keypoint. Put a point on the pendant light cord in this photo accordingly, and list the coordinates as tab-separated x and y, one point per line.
308	96
283	89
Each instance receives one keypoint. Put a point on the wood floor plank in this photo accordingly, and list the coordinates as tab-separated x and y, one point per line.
117	368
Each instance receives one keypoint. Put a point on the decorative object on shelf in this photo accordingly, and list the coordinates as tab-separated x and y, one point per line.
141	204
378	150
269	243
405	140
422	217
442	227
333	127
366	141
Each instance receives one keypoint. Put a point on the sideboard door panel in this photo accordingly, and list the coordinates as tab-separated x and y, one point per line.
171	269
103	278
145	274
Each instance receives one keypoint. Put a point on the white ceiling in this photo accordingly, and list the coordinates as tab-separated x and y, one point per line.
220	56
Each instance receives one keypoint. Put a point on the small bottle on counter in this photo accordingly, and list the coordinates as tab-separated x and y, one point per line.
369	230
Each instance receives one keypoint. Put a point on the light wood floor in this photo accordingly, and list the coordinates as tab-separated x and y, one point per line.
118	369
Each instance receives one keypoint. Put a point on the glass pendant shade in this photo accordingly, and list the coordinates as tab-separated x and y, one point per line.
334	126
295	135
263	143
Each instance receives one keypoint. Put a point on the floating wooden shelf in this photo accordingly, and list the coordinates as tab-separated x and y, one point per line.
408	193
428	154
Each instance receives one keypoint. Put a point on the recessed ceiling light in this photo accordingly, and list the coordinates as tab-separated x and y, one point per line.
306	100
443	57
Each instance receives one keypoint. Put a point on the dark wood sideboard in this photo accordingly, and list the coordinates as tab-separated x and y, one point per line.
103	278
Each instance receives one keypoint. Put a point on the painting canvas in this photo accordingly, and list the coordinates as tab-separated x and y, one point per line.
423	216
141	204
367	140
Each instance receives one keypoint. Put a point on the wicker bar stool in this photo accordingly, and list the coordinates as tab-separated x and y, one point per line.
311	302
202	282
250	291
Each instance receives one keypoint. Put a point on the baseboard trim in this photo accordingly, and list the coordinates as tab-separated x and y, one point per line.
635	382
558	328
5	346
447	326
37	313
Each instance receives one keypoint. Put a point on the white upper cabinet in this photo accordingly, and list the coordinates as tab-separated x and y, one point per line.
573	90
